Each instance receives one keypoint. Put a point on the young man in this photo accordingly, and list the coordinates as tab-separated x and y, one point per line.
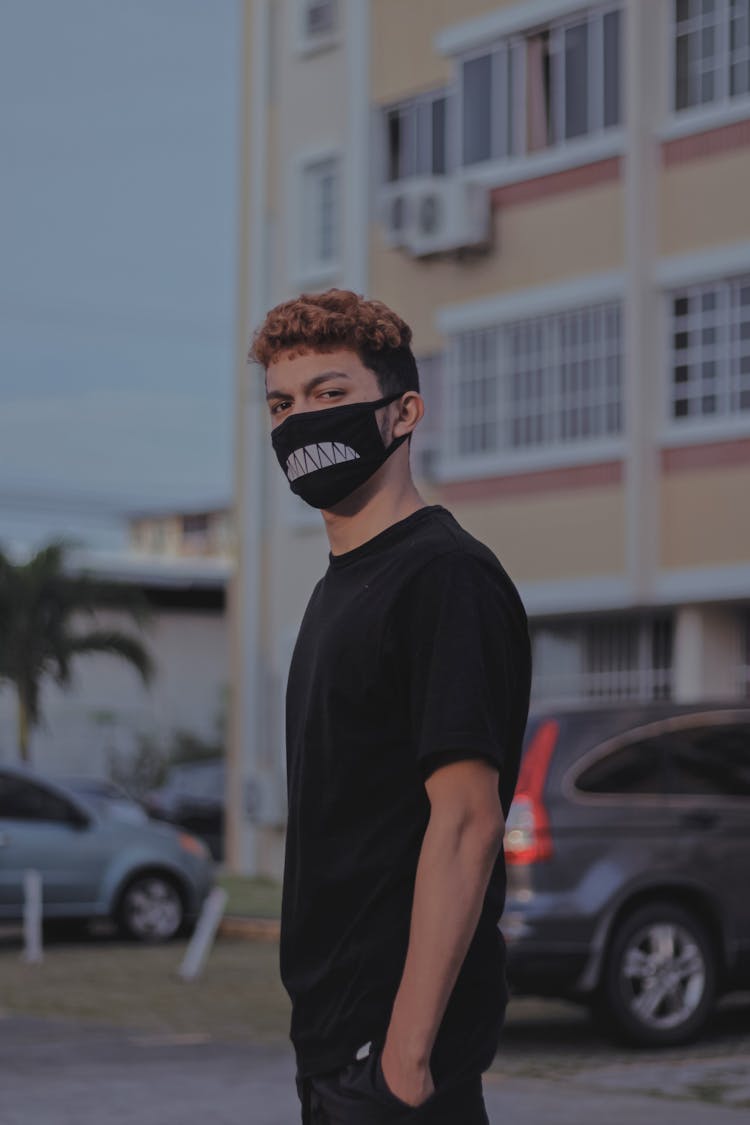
406	705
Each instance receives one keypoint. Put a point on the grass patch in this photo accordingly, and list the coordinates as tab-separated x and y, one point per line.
254	898
239	996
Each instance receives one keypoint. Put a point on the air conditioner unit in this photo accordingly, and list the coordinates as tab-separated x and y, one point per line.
396	213
447	214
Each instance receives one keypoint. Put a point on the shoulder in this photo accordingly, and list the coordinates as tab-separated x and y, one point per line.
452	561
447	548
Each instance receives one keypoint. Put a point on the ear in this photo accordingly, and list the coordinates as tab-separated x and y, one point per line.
410	413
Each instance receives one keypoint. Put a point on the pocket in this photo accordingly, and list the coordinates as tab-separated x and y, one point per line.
382	1087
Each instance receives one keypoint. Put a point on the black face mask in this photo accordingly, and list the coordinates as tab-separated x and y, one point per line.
327	454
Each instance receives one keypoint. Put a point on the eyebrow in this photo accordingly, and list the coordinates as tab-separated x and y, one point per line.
310	385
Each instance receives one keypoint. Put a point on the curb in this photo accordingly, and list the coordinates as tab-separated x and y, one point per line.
250	929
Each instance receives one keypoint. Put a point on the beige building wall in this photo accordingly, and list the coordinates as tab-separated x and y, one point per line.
403	55
552	536
705	518
704	202
538	243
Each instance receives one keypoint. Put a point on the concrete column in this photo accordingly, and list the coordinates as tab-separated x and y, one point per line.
246	698
706	653
643	374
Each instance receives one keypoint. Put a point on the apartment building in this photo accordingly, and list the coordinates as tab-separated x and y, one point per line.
554	194
190	533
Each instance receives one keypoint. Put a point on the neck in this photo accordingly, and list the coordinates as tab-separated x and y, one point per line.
375	506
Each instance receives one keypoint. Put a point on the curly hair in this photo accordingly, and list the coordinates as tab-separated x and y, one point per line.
340	319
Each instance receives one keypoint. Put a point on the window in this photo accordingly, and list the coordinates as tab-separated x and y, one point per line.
540	382
542	89
320	206
744	670
634	769
607	659
712	761
425	444
195	524
712	51
319	19
710	350
416	138
22	800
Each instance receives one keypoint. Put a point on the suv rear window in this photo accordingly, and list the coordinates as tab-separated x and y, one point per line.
637	768
710	761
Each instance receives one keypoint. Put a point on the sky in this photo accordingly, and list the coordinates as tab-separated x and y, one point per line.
119	144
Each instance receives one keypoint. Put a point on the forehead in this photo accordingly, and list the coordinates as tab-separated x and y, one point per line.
290	371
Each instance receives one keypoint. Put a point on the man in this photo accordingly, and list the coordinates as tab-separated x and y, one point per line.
406	706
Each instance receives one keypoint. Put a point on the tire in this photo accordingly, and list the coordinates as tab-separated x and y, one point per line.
150	908
659	981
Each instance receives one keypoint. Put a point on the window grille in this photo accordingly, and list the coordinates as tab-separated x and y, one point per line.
541	382
710	350
320	220
606	659
416	137
542	89
712	51
425	446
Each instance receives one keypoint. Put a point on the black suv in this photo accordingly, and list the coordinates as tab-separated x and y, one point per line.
628	855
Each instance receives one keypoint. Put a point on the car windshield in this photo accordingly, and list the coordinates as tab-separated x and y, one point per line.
106	800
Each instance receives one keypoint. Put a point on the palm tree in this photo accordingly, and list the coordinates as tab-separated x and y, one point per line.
39	600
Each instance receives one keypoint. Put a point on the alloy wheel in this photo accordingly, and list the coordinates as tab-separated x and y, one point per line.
151	909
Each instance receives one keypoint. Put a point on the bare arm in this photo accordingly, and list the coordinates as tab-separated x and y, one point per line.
459	850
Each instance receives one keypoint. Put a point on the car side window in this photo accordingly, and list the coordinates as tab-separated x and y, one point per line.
633	769
710	761
22	800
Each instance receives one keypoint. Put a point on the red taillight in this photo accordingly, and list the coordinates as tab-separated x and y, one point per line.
527	834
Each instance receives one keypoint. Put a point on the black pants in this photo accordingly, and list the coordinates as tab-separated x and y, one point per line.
358	1095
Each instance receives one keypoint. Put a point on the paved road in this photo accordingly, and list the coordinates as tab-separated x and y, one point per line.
58	1073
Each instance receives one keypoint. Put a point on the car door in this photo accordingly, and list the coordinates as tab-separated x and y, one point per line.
708	777
41	830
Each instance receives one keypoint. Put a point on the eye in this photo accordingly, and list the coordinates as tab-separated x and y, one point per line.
335	393
279	406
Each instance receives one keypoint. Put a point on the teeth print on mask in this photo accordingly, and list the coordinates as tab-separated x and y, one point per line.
317	456
327	454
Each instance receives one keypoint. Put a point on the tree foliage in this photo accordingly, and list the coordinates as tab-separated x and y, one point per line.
43	603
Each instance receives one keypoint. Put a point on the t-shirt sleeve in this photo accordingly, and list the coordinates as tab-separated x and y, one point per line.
459	629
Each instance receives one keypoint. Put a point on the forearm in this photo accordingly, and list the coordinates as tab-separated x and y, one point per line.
454	868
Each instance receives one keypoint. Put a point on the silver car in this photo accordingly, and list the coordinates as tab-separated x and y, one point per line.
150	879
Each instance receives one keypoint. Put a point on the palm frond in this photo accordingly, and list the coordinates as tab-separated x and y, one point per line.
117	644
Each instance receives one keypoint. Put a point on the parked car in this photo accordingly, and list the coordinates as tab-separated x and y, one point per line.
193	797
149	878
627	848
107	797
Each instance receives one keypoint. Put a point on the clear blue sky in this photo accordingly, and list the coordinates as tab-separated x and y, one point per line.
118	218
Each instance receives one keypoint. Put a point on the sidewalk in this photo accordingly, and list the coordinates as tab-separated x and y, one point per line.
63	1073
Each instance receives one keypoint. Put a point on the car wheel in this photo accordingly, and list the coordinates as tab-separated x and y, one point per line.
150	908
659	984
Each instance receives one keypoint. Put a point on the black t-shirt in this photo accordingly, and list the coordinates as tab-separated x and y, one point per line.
413	651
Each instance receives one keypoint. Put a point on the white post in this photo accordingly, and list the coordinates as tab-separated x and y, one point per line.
205	932
32	917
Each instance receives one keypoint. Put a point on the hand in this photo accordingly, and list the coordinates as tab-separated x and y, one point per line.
409	1082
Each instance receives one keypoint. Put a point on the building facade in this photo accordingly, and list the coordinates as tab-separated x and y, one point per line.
193	533
554	195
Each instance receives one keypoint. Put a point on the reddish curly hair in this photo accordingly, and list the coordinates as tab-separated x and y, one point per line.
340	319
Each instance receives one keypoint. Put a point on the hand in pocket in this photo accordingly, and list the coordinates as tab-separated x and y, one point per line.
411	1087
